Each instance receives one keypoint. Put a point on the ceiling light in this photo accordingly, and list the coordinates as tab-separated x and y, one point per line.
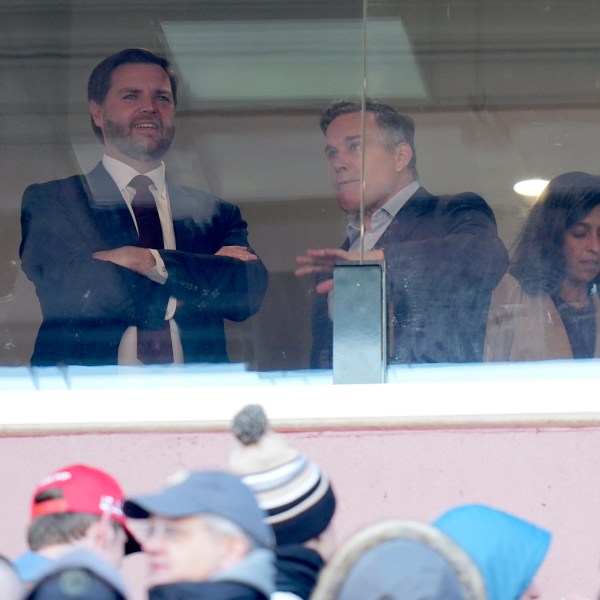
531	188
240	62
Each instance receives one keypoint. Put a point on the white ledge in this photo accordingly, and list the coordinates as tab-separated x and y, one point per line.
204	397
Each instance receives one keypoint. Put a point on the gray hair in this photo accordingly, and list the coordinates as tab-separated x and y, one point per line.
224	527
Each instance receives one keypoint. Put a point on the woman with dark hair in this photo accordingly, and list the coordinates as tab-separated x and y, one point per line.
547	305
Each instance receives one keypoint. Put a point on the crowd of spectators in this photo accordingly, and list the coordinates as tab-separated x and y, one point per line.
263	530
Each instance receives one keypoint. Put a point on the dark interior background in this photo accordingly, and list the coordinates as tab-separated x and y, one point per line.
511	90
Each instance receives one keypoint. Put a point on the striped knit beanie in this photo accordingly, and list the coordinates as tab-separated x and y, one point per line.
291	489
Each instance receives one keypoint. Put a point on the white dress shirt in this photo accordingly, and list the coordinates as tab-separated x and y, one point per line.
122	174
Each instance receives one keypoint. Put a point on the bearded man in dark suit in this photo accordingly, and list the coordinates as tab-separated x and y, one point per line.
107	295
442	254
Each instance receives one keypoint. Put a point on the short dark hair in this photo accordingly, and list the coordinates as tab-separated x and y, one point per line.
394	128
100	78
59	528
538	261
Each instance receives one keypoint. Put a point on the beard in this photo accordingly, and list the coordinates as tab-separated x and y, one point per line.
142	150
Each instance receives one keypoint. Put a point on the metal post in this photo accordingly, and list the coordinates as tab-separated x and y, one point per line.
359	323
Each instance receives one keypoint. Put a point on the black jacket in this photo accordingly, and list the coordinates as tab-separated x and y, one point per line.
298	568
87	304
443	259
212	590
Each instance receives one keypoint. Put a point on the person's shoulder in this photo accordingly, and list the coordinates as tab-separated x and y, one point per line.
463	199
198	195
444	203
53	186
58	182
464	205
189	201
31	565
509	291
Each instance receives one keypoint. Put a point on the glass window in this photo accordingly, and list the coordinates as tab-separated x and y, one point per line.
499	92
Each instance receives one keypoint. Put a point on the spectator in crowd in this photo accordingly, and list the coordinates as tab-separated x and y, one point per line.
80	574
130	268
296	495
442	254
400	560
11	587
547	305
75	507
205	538
507	550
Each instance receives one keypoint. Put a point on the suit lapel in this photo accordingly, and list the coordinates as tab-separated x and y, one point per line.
194	216
108	210
408	217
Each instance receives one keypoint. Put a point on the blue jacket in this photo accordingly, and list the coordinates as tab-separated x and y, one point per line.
507	550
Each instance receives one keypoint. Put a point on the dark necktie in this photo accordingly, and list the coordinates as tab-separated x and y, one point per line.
153	345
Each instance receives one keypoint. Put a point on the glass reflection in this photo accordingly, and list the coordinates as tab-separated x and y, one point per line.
498	93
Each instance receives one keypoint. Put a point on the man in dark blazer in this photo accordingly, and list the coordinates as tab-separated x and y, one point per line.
442	254
101	291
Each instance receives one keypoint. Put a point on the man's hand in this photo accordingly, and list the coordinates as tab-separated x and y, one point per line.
133	258
239	252
323	261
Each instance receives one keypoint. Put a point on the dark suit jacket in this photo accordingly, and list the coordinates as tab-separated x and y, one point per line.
87	304
443	259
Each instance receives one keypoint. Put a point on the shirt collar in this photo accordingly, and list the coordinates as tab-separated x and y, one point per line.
123	174
391	207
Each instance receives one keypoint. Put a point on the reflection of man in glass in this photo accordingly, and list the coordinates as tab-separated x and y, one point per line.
442	253
128	266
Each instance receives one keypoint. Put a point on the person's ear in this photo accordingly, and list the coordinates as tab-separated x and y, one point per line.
100	533
95	534
235	549
403	155
96	112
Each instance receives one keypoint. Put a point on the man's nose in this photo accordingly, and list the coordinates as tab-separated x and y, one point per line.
148	105
340	162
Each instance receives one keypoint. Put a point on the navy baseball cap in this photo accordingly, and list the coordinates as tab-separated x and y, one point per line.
206	492
79	574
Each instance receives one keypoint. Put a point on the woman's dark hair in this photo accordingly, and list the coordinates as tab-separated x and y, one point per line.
538	258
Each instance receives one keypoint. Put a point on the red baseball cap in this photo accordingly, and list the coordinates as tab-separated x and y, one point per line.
84	490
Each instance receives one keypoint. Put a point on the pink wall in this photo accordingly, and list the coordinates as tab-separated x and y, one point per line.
547	475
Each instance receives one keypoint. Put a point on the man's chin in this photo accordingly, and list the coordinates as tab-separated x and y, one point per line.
350	206
148	152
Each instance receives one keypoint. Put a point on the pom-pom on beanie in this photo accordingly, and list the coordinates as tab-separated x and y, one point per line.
291	489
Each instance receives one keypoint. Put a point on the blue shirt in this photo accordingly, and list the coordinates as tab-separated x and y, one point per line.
380	219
